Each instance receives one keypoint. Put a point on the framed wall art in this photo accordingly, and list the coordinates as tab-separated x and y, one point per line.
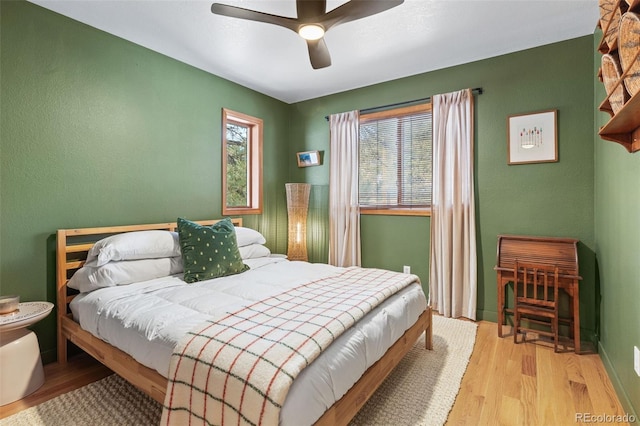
532	138
308	158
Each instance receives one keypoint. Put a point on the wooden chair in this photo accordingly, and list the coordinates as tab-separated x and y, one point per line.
535	294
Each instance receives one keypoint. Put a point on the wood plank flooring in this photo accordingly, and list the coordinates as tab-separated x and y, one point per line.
505	384
529	384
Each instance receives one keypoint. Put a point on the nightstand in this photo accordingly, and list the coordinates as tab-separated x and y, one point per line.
21	371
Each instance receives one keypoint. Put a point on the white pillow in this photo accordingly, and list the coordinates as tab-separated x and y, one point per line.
91	277
253	251
135	245
248	236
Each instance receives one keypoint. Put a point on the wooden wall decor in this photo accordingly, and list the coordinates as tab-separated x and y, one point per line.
620	71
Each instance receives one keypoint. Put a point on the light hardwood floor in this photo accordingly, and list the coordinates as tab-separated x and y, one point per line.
505	384
529	384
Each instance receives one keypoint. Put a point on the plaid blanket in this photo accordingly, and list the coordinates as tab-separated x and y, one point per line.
237	369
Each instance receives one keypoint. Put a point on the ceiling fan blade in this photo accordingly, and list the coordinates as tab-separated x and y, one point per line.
357	9
318	54
310	9
253	15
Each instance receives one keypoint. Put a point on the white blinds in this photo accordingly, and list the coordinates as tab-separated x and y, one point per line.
395	158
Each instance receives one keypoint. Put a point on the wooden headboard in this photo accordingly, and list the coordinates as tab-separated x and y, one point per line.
72	246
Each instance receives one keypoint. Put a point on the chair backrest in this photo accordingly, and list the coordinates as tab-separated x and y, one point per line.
536	285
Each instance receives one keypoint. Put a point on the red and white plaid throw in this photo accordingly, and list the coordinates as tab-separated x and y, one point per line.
237	369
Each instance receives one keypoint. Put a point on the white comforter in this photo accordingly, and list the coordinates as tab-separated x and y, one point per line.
147	319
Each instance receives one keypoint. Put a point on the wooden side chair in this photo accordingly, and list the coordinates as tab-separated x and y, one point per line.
535	294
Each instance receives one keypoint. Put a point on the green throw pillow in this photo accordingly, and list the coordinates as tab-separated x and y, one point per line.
209	251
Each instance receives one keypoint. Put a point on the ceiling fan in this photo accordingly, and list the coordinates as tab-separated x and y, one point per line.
313	20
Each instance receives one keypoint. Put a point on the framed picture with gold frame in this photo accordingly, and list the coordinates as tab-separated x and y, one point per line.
308	158
532	138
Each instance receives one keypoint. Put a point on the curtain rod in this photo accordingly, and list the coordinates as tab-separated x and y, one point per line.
478	90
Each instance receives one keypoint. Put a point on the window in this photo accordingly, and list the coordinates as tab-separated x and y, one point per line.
395	161
241	164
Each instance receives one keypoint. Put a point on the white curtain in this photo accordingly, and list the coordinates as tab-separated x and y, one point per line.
453	274
344	214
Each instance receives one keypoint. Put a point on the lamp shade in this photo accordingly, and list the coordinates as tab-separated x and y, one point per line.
297	208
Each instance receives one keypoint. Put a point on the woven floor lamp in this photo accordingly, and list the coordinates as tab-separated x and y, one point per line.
297	207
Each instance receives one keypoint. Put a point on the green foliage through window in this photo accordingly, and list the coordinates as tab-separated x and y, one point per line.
241	163
237	169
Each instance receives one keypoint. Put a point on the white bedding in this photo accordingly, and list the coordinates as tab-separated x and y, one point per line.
147	319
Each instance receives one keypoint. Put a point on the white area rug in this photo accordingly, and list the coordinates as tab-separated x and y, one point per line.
420	391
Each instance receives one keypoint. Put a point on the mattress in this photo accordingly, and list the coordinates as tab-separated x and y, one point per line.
147	319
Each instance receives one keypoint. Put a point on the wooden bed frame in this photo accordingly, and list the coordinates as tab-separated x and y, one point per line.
72	248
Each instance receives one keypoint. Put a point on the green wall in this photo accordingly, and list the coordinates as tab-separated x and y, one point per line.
617	209
98	131
552	199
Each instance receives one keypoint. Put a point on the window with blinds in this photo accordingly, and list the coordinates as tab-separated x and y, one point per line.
395	160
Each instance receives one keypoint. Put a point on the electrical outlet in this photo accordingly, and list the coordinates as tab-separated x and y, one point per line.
636	360
406	269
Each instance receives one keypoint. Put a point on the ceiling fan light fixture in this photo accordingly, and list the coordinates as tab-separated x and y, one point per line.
312	21
311	31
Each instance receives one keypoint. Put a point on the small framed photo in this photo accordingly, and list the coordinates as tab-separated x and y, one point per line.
308	158
532	138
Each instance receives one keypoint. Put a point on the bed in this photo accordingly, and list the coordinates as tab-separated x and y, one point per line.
119	346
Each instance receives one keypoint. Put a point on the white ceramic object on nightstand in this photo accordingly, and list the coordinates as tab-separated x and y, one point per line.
21	371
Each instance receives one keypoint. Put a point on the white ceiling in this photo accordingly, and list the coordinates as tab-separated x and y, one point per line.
415	37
